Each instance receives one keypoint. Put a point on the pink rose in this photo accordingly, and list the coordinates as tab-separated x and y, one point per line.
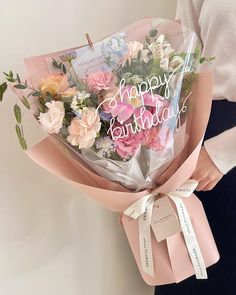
101	81
83	131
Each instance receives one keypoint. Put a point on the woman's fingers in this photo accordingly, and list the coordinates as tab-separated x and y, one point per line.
206	173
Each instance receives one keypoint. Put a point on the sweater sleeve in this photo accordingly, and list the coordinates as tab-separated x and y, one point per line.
188	11
222	150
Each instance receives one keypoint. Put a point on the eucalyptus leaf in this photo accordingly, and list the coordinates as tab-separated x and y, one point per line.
25	102
18	78
36	93
64	69
202	60
212	58
21	138
56	64
3	88
11	80
20	86
17	112
23	143
18	131
153	33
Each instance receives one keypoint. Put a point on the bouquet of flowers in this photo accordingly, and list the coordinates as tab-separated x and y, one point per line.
120	110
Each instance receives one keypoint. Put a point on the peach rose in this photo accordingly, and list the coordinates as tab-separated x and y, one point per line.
52	120
83	131
54	84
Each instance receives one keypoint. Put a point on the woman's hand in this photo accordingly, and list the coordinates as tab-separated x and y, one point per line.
206	172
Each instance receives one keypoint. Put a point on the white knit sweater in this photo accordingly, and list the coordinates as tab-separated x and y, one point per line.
215	23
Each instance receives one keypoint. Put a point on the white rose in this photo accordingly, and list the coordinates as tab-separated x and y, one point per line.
52	120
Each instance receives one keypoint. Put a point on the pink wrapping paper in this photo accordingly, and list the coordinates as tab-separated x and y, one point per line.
171	259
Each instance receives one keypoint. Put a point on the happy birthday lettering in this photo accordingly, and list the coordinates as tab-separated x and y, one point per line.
140	122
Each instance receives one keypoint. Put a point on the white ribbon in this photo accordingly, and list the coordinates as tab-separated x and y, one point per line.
142	209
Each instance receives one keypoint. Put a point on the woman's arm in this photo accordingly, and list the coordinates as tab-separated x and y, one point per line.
218	155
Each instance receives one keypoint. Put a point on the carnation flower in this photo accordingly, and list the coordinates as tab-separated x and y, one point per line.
127	146
101	81
52	120
83	131
157	138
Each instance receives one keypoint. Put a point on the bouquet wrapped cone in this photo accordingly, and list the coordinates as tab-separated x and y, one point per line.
143	80
172	262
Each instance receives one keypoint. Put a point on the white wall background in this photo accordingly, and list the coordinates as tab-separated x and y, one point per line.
52	236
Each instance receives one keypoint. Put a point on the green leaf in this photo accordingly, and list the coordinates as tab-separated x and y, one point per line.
211	58
197	52
202	60
56	64
18	78
9	76
18	131
23	143
3	88
25	102
64	69
20	137
153	33
17	112
11	80
20	86
36	93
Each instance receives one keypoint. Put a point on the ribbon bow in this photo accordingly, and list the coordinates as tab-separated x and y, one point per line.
142	209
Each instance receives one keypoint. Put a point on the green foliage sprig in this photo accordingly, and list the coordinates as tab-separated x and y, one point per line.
21	85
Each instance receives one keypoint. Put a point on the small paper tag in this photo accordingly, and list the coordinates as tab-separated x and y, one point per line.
165	222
